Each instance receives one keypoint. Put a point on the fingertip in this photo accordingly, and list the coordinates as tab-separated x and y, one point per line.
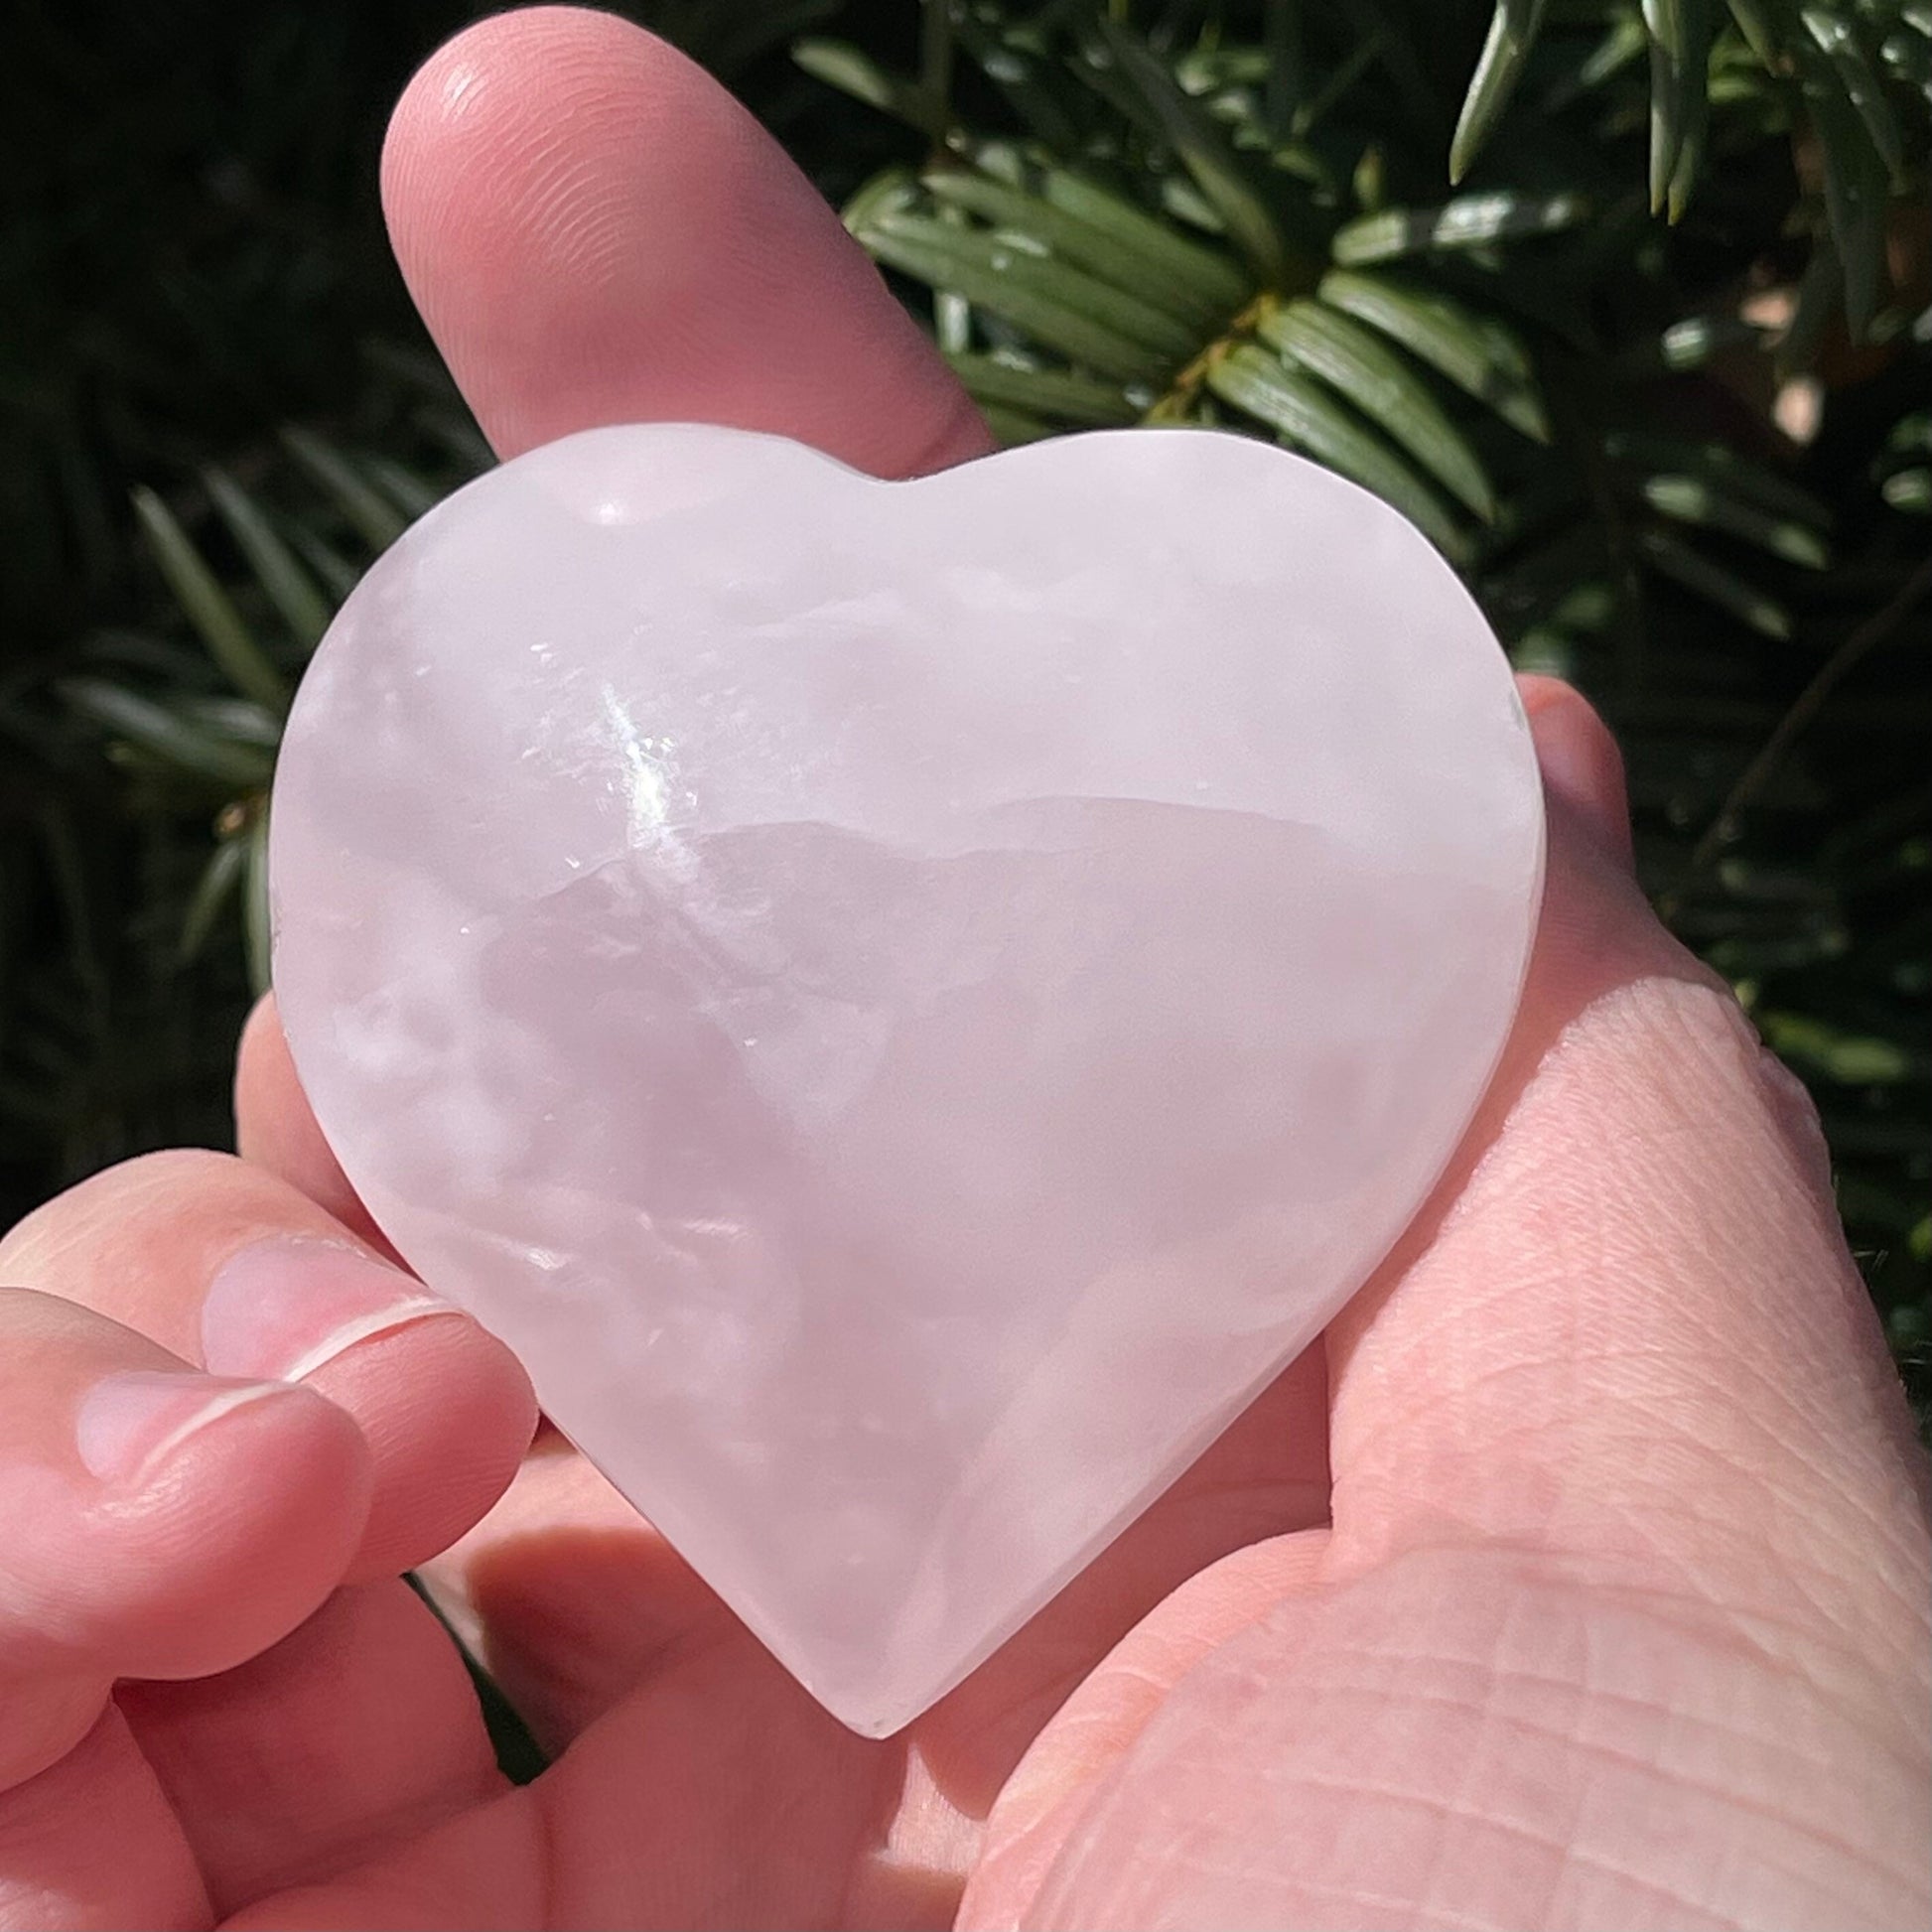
470	170
1580	760
448	1414
595	232
446	1410
228	1536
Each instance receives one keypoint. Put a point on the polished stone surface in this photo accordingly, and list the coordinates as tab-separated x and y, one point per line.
905	1003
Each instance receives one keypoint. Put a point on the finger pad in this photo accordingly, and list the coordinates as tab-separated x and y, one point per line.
447	1412
237	1539
596	233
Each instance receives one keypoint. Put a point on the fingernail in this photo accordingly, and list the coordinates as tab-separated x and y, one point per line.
128	1423
285	1308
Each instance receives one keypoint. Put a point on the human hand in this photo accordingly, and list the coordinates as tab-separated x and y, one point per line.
1622	1620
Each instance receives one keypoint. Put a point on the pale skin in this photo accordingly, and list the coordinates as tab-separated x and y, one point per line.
1579	1578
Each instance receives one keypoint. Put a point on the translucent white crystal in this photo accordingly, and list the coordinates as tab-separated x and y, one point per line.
905	1003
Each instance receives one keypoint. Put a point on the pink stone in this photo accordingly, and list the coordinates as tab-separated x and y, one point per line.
905	1003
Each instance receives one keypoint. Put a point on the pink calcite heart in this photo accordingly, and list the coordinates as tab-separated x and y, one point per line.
905	1004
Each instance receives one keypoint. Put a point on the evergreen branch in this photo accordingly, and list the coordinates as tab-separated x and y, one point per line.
1859	646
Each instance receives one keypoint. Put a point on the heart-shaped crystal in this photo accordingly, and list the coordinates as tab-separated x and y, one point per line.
905	1004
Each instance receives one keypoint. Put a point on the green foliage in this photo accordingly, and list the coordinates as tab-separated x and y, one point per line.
1548	277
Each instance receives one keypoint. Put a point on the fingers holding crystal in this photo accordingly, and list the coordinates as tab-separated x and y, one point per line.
595	232
154	1520
234	1270
193	1707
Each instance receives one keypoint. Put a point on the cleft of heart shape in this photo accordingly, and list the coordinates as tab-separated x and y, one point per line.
905	1003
